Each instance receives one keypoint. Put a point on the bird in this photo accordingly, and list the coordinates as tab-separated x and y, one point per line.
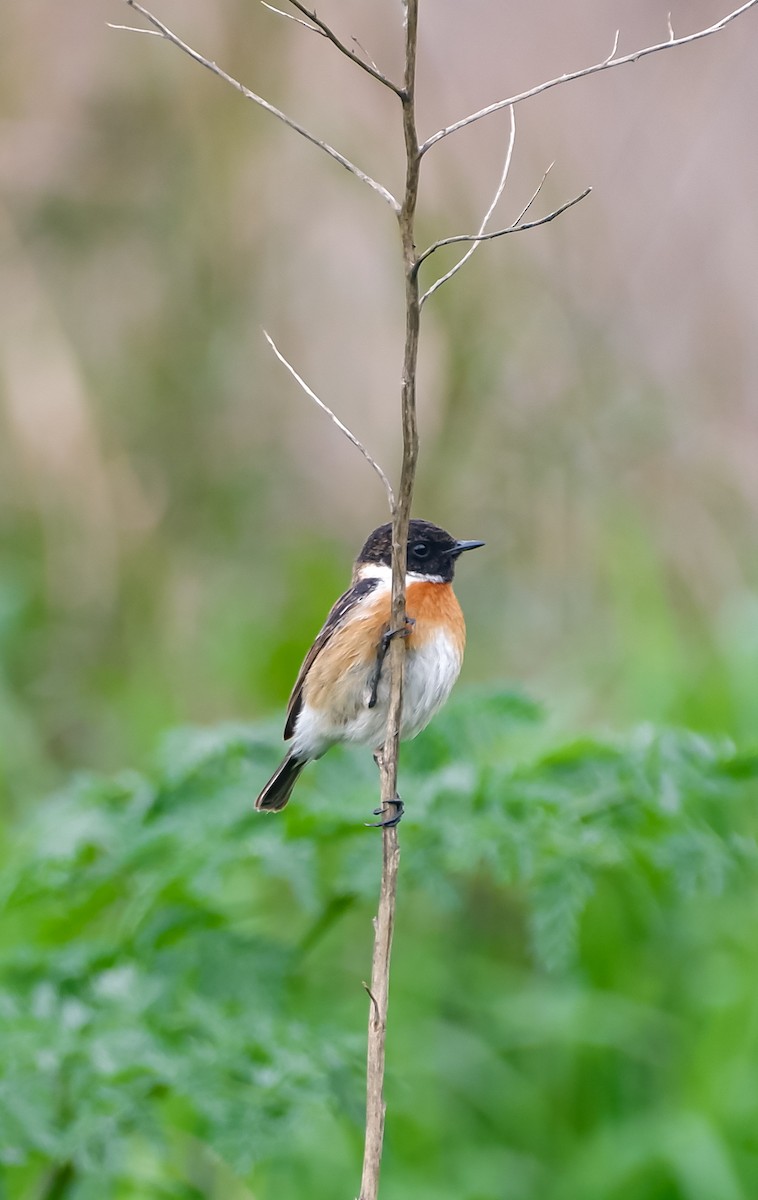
341	694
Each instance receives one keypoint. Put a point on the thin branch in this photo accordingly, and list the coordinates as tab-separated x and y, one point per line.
498	233
370	68
605	65
289	17
340	424
485	220
171	37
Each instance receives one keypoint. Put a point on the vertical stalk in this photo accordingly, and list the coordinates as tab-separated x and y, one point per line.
385	918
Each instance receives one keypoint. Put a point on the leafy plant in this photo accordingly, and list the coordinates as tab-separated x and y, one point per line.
181	1004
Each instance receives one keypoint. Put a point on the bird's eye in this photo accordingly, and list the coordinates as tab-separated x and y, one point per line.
420	550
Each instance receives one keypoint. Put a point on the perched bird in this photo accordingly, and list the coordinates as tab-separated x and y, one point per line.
342	693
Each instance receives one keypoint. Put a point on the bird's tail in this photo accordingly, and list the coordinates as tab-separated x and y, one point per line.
279	787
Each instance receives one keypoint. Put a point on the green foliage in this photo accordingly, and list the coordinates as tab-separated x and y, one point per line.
572	1010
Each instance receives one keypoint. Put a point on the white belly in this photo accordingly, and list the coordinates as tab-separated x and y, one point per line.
430	672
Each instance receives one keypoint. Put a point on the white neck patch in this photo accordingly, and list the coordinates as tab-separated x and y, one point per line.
384	575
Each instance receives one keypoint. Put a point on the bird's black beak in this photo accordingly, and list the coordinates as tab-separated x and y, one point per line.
461	546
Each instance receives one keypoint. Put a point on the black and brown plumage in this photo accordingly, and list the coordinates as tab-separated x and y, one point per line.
341	693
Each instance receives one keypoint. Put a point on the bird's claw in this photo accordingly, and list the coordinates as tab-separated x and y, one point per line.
392	821
403	631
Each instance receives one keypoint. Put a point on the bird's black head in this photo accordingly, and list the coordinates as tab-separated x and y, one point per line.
432	553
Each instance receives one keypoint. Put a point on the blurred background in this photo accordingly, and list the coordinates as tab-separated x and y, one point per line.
573	996
176	517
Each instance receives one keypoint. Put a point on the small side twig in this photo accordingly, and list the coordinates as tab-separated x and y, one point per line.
369	67
175	40
614	48
498	233
364	52
485	220
371	997
333	416
133	29
534	195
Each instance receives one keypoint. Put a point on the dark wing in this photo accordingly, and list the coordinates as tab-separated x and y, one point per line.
336	618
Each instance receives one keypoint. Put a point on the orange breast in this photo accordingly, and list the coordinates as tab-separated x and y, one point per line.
337	679
432	605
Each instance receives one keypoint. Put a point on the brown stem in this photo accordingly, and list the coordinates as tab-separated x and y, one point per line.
377	1021
385	917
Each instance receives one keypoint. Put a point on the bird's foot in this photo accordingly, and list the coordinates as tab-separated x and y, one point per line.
397	808
381	654
405	630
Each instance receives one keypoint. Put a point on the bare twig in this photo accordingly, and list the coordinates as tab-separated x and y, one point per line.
173	38
498	233
369	67
485	220
289	17
605	65
340	424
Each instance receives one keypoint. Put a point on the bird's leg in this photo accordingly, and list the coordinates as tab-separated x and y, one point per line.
397	806
381	654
